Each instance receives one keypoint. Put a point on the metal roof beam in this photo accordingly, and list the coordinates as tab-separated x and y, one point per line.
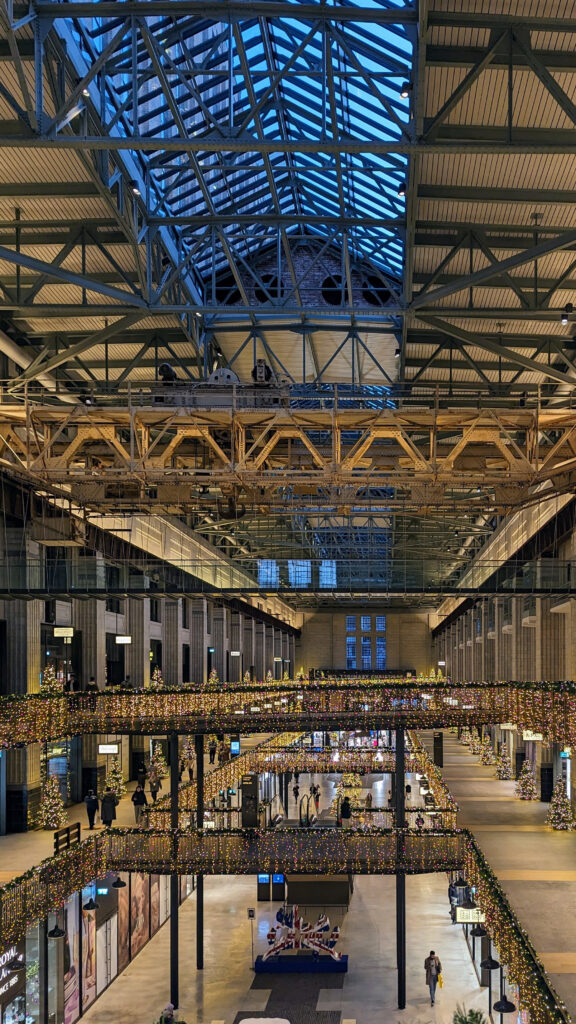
221	11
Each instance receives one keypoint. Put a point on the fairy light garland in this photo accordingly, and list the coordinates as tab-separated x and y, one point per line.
546	707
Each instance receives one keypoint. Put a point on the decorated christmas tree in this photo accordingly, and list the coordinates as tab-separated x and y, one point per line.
50	684
269	677
157	679
188	751
504	765
158	764
213	677
52	813
560	814
526	782
465	737
115	778
475	742
487	755
247	678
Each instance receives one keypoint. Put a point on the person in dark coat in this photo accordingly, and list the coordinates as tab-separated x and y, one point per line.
92	806
433	968
140	802
141	775
108	806
346	812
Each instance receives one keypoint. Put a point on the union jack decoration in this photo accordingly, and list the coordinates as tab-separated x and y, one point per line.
293	932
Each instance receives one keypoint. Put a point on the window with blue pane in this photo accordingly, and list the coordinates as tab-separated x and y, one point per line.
365	623
299	572
268	572
350	623
380	623
366	652
350	652
380	652
327	574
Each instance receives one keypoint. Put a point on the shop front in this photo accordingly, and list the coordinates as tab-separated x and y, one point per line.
105	926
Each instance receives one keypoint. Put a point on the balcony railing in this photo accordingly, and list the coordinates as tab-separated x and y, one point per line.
543	707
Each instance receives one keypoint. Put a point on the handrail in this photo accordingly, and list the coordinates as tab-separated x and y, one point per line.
312	851
543	707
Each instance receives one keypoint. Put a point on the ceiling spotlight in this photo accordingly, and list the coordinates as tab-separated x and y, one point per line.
91	905
568	309
56	932
134	187
17	963
397	353
86	93
119	883
402	188
405	90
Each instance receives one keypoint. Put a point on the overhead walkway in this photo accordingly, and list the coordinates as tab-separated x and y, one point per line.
277	707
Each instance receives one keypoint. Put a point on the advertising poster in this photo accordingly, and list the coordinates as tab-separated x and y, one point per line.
139	912
124	924
71	960
154	904
88	952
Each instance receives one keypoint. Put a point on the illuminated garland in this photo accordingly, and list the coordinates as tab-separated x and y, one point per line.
368	704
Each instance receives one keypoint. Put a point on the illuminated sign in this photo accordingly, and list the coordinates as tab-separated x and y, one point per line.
64	631
527	734
123	638
7	978
263	879
472	916
277	879
107	748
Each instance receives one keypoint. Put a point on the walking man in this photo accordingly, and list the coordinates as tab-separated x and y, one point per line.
433	968
140	801
92	805
212	748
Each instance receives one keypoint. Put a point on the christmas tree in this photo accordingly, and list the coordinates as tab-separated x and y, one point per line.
247	678
465	737
158	764
560	814
52	813
157	679
526	783
50	684
269	676
213	677
487	755
115	778
188	751
504	765
475	742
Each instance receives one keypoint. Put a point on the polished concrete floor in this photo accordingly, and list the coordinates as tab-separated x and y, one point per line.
535	865
223	989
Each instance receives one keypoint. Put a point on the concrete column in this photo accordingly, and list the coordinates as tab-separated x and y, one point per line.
236	640
249	642
220	641
23	645
198	640
259	652
89	618
172	646
93	765
138	653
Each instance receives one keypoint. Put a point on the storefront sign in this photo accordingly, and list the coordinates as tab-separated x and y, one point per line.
64	631
508	725
530	736
466	916
107	748
8	979
125	639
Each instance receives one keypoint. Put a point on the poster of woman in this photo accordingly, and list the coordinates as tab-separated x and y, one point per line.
71	961
154	904
124	923
88	952
139	912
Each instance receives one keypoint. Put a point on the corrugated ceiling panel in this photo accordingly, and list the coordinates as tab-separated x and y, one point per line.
500	170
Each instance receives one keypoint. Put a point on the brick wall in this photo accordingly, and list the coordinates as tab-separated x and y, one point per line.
408	639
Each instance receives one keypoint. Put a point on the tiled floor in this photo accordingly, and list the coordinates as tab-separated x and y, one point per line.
223	990
537	866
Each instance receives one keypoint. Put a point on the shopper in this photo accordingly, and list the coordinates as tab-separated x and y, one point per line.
140	802
346	812
155	784
108	805
433	969
317	798
141	775
296	791
212	748
191	770
92	806
368	801
419	822
221	752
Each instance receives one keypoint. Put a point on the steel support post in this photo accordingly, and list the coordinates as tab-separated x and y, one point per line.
400	873
174	886
199	747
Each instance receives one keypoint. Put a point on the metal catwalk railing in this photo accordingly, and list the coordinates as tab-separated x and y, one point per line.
549	708
333	851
